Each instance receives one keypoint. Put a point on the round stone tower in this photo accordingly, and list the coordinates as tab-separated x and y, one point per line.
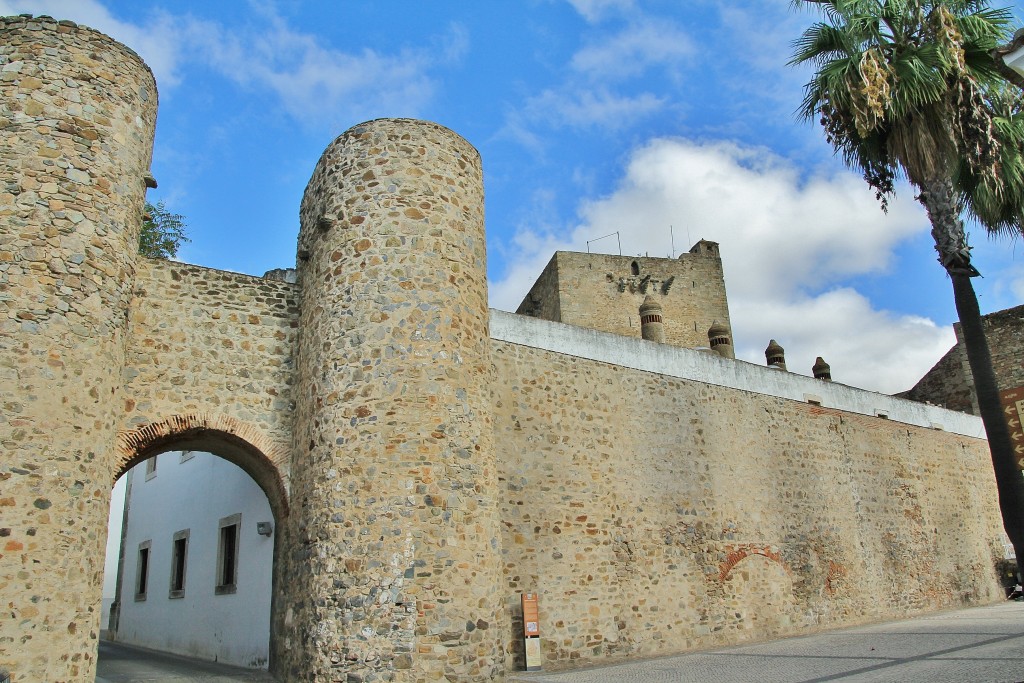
393	479
77	115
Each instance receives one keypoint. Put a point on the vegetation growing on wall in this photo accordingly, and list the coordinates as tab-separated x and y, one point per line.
162	232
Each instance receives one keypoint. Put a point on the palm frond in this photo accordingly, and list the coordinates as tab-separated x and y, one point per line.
819	44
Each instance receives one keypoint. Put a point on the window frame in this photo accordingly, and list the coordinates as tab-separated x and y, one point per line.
151	467
221	586
179	564
143	562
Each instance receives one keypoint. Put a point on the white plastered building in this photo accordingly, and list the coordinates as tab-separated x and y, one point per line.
195	578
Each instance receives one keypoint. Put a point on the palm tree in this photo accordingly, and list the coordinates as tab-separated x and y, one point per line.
910	88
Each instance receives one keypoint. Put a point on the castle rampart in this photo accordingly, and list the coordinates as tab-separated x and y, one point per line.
653	512
424	469
206	341
711	369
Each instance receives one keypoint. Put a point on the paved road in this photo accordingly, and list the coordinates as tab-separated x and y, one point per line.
979	645
122	664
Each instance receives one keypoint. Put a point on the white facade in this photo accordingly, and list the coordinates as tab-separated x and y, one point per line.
214	601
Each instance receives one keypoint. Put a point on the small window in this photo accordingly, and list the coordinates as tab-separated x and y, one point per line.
151	468
142	571
179	559
635	268
227	555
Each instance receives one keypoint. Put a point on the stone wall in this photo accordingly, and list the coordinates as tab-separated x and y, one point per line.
604	292
213	349
950	382
430	470
654	514
947	384
77	113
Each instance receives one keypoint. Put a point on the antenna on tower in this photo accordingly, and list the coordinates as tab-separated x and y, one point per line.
616	233
672	234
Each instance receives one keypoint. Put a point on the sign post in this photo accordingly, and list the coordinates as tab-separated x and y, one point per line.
531	631
1013	412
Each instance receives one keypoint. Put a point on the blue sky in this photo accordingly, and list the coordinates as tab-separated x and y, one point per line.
592	116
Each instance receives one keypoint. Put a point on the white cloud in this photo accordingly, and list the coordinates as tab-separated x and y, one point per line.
777	228
595	10
788	244
640	46
315	83
601	88
589	108
867	348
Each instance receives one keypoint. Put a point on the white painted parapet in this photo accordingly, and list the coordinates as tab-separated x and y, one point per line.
710	368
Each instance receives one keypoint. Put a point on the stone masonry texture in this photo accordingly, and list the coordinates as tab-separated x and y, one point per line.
393	479
950	382
422	473
604	292
655	515
77	114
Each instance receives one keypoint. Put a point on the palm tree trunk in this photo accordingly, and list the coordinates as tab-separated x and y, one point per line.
955	256
1009	480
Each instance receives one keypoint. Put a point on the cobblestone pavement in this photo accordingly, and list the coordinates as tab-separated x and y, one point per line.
978	645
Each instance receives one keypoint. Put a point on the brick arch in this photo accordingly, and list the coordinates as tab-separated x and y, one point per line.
737	554
230	438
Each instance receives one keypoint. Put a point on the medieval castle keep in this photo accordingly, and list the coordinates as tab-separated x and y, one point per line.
428	460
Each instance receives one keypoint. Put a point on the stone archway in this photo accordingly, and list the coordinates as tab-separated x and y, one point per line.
230	438
203	510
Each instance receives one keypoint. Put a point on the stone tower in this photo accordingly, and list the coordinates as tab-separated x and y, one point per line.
394	437
77	115
603	292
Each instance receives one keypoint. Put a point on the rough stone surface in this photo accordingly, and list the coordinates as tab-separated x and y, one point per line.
77	113
211	353
653	515
395	531
604	292
950	382
421	471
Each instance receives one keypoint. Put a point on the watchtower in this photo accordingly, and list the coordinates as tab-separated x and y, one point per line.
77	115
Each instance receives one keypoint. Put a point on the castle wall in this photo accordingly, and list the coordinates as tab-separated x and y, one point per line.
654	513
602	292
207	342
77	114
656	497
950	382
